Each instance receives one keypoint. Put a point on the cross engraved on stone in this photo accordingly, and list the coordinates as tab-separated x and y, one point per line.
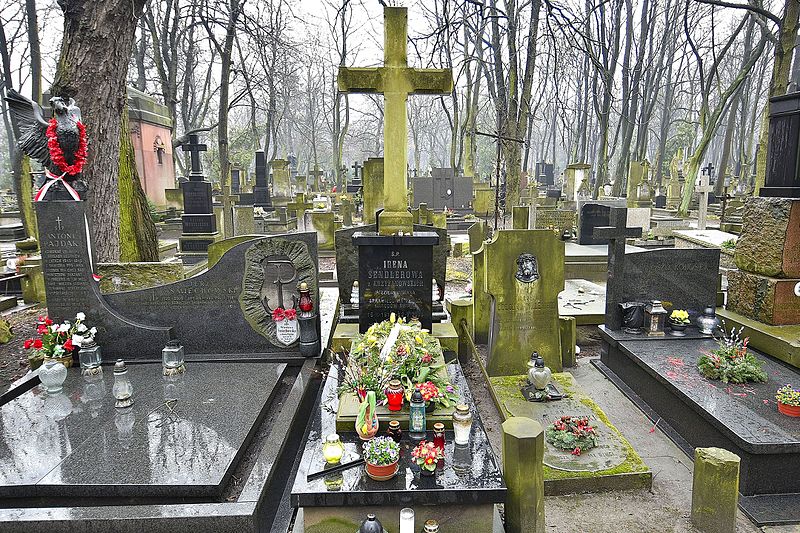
194	147
616	233
58	223
356	170
280	282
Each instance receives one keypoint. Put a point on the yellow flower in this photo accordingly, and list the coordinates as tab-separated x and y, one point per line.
418	339
389	359
392	318
372	339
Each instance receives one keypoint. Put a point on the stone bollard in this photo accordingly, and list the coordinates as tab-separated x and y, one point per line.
523	455
567	328
461	309
715	490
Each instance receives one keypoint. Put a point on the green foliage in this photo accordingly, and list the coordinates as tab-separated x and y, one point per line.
151	207
731	362
381	451
730	244
788	395
572	433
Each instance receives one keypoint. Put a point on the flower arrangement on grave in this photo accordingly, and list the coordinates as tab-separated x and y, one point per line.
427	455
381	456
572	433
788	400
394	349
731	362
59	341
367	419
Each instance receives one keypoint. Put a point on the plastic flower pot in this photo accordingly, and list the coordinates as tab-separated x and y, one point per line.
789	410
382	472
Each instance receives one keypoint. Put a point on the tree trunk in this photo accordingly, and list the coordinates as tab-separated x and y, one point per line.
92	68
138	239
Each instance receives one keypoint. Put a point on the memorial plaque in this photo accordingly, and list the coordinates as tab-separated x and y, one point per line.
395	276
199	223
197	199
782	177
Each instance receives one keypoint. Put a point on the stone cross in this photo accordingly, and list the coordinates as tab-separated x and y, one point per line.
616	233
300	206
194	147
316	174
703	188
708	170
356	170
395	80
228	200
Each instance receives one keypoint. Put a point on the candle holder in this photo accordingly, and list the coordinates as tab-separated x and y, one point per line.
90	358
122	389
172	358
394	395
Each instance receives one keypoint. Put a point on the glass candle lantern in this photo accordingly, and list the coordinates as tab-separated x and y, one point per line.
416	417
708	321
90	358
306	304
407	520
462	424
431	526
354	294
538	374
172	358
122	389
333	449
654	318
394	431
394	395
371	525
438	435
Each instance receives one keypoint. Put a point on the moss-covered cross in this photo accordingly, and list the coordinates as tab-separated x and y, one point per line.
395	80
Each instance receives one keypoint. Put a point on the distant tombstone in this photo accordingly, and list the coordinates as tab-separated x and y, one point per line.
199	223
443	189
323	224
782	177
524	275
574	176
236	183
477	234
660	201
520	215
592	216
372	189
261	196
545	173
281	182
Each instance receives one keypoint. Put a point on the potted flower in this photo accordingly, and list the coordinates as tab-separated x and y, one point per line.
367	419
59	342
381	456
788	400
427	455
678	322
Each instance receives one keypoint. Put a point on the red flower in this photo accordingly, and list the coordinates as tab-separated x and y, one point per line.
68	346
48	321
28	343
37	344
42	329
57	154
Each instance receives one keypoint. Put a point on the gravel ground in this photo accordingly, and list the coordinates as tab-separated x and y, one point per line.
13	357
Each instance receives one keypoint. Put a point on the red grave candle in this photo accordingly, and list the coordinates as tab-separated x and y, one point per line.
438	435
394	394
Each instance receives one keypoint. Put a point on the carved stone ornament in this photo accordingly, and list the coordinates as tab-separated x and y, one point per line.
274	269
527	268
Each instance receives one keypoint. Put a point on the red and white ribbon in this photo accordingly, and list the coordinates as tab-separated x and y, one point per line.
51	179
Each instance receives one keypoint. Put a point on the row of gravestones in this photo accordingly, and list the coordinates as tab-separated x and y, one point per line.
518	274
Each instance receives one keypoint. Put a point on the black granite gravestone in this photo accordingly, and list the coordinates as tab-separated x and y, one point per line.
782	177
261	189
544	173
224	312
246	198
593	216
616	233
443	189
395	276
660	201
236	183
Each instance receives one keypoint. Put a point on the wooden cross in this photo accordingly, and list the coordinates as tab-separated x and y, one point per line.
194	147
616	233
395	80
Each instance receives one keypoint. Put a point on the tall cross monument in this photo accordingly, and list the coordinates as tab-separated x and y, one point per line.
395	80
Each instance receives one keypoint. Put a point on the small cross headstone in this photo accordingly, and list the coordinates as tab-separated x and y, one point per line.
616	233
194	147
356	170
703	189
315	175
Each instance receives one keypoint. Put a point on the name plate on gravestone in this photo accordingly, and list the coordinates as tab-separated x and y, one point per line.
196	197
395	275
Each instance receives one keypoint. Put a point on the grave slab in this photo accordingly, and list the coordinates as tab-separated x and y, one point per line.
584	300
612	465
661	376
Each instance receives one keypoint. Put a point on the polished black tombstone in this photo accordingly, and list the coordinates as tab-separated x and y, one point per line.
782	177
593	216
261	197
395	275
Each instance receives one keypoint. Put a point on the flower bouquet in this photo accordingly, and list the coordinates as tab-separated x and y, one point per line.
572	433
59	341
434	396
381	456
788	400
731	362
427	455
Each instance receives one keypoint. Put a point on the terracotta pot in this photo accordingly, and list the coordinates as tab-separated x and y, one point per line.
789	410
382	472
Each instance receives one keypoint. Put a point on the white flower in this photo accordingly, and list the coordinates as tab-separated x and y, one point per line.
54	328
82	328
58	350
80	316
77	340
63	328
93	331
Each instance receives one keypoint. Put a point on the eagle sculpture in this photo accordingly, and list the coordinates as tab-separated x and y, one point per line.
59	144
